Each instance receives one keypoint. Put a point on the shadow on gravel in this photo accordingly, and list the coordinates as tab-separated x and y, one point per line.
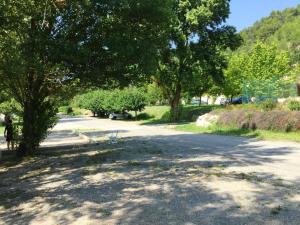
150	180
70	119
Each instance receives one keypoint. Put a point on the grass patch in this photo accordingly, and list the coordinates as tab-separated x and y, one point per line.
161	114
262	134
154	114
1	130
72	111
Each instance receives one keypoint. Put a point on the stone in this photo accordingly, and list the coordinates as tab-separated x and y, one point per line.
207	120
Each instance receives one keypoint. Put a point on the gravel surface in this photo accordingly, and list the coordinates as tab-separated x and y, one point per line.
154	175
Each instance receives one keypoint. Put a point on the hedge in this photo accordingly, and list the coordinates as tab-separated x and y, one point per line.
101	102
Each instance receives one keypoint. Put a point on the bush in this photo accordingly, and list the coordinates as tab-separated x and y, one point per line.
268	104
271	120
67	110
101	102
293	105
154	94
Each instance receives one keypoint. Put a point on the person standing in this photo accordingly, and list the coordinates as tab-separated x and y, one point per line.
9	133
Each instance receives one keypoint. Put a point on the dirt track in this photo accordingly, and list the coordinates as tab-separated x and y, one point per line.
154	175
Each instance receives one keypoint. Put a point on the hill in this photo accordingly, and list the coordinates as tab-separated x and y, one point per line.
281	27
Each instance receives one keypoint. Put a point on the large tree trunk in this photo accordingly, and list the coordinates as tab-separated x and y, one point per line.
39	114
175	102
27	143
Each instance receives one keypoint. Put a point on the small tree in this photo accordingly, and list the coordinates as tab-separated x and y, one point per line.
134	99
261	64
101	102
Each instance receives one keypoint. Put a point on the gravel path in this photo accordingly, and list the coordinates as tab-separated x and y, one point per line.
154	176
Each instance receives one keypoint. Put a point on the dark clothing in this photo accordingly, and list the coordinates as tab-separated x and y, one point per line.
9	132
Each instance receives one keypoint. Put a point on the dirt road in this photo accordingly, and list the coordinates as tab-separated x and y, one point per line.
154	176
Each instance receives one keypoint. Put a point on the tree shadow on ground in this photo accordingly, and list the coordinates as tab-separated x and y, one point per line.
148	180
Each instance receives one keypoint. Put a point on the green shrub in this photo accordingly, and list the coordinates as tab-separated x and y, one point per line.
101	102
154	94
67	110
268	104
293	105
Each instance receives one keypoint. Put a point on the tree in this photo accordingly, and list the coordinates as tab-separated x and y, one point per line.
199	83
197	37
45	45
154	94
234	76
103	102
134	99
263	63
280	27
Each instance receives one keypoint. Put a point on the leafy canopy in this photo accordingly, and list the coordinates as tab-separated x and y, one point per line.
265	63
197	39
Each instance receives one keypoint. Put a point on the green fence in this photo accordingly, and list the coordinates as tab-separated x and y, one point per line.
260	90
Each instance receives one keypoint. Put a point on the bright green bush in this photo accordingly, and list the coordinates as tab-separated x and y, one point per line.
67	110
154	94
102	102
268	105
133	99
10	107
294	105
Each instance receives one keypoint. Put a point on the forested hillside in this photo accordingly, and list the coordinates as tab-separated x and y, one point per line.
281	27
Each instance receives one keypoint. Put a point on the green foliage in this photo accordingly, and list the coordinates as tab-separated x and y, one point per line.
293	105
96	101
133	99
163	114
66	110
235	131
262	66
154	94
198	83
268	105
270	47
10	107
184	61
281	27
102	102
265	61
46	46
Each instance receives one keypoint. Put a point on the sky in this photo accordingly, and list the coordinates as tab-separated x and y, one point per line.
245	13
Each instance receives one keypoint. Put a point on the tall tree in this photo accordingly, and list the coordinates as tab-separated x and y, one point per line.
45	44
199	82
197	37
263	62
